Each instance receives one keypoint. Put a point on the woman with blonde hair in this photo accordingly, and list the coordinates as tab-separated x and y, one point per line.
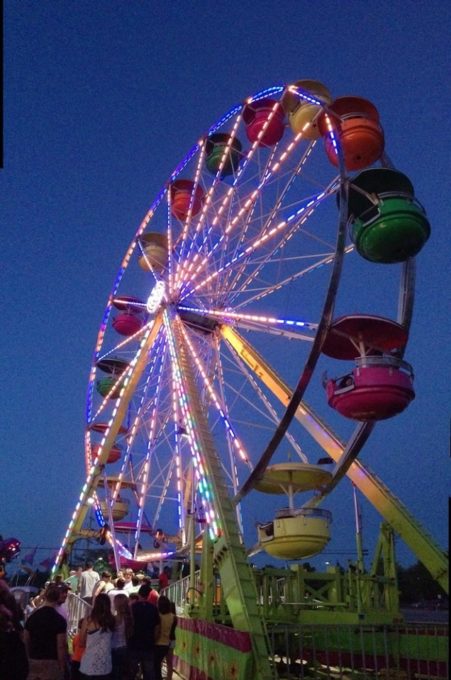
168	621
122	632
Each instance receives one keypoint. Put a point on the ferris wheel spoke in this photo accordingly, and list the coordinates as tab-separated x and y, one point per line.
157	359
264	324
268	290
207	202
269	219
127	472
230	443
164	492
189	262
271	411
276	232
145	471
115	386
185	237
191	273
266	421
127	344
214	398
198	436
233	475
269	258
312	423
265	413
113	427
307	201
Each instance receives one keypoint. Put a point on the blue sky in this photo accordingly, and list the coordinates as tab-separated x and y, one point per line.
102	100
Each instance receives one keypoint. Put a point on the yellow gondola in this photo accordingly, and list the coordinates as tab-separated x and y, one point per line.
295	533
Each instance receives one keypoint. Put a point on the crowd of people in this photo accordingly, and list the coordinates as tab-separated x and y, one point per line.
127	633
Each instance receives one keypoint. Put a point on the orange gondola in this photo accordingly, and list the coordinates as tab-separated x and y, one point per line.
356	122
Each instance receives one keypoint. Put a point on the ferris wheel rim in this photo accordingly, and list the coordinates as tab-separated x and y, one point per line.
135	242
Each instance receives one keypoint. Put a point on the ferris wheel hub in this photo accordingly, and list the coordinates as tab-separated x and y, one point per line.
156	297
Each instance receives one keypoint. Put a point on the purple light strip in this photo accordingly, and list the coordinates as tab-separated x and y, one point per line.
203	485
256	318
257	242
235	440
150	445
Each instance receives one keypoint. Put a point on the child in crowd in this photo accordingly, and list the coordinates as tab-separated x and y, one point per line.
77	652
122	632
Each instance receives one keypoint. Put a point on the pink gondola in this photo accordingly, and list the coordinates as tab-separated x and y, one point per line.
381	384
265	121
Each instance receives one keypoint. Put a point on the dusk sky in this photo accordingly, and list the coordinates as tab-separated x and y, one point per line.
102	99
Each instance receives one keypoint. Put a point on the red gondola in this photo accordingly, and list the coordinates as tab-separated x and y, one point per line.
265	122
131	315
184	196
113	456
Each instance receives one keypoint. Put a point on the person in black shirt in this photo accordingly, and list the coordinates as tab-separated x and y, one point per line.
45	638
141	645
13	657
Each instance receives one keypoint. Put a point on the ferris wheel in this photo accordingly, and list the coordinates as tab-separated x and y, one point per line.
278	252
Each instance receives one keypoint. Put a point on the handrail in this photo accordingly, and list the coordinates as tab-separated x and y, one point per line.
372	213
77	609
383	360
303	512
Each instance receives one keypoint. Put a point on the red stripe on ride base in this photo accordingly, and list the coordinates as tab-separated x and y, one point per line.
236	639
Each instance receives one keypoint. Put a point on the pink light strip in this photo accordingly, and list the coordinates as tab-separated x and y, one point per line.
248	204
208	198
150	445
87	487
236	442
187	222
203	485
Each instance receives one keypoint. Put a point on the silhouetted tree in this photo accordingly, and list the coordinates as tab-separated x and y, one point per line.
416	584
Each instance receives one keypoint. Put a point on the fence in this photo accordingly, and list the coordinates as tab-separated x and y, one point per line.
77	609
404	652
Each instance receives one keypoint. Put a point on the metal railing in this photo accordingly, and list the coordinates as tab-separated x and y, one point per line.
77	609
296	595
182	593
384	361
401	652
